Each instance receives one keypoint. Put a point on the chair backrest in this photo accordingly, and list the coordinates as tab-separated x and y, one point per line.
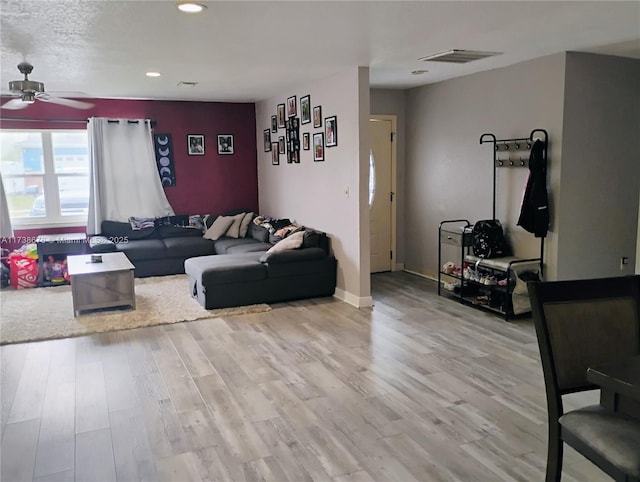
581	323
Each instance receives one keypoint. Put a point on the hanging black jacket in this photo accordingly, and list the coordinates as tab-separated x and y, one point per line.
534	213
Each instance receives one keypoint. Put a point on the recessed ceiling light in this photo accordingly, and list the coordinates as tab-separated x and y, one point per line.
190	7
419	72
153	74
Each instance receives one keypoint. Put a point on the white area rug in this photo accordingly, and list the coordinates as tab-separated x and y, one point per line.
47	313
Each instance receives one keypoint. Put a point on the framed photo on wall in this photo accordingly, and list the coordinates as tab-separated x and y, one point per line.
267	140
292	108
195	142
317	116
281	115
331	131
305	109
225	144
274	123
318	146
281	145
305	141
275	155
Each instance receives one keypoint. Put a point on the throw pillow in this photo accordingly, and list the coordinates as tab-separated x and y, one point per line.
244	225
293	241
234	229
141	223
218	228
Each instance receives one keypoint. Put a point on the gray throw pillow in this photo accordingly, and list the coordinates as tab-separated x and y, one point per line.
218	228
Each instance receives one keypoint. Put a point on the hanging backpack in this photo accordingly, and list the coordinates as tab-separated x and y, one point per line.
488	239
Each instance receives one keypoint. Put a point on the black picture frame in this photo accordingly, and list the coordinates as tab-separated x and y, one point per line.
225	144
195	144
317	116
292	107
318	146
274	123
306	141
305	109
281	148
282	117
331	131
267	140
275	155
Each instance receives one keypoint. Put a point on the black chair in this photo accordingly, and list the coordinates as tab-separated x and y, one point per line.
579	324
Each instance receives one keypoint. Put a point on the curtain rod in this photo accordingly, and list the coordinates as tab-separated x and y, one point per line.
74	121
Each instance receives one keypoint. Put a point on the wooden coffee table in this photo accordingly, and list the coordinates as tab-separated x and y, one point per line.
101	285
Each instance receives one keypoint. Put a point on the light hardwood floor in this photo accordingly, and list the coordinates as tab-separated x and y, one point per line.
419	388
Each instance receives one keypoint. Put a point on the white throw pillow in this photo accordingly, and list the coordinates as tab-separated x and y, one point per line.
293	241
234	229
244	225
218	228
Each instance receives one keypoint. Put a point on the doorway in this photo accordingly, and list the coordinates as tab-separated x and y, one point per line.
382	193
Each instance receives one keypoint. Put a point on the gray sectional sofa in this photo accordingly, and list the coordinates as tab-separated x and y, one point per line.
228	271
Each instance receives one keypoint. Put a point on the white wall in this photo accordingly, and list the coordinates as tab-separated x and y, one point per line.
449	174
600	178
315	193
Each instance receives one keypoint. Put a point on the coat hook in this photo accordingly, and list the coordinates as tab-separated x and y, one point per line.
528	145
517	146
500	163
511	163
506	146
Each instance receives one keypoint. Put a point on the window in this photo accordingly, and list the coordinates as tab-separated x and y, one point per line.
46	175
372	178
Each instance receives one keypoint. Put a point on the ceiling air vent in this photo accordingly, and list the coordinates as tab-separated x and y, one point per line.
187	84
459	56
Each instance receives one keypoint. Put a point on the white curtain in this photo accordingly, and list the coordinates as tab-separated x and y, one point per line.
124	177
6	231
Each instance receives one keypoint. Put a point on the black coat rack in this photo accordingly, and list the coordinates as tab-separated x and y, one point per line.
514	153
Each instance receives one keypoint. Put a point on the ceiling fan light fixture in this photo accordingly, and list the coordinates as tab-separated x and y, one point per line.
191	7
28	97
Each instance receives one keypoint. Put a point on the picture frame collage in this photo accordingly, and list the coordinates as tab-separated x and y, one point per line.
286	117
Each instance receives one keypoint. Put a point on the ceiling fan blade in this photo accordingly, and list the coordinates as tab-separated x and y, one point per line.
76	104
15	104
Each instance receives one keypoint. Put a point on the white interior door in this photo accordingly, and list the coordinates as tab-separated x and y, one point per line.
381	208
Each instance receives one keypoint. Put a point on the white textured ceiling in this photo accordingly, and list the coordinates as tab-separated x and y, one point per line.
251	50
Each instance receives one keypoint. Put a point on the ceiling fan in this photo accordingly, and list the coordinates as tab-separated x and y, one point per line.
28	91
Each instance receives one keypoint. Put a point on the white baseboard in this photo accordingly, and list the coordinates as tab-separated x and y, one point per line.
353	300
422	275
399	266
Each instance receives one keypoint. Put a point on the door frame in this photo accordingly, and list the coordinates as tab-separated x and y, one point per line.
394	185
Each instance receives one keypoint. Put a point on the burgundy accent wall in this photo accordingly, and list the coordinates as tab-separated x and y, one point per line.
204	184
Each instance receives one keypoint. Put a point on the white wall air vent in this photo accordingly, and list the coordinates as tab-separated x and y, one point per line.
459	56
187	84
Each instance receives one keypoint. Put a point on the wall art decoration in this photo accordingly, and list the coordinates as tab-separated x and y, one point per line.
292	108
267	140
318	146
225	144
163	148
305	109
274	123
281	145
293	140
317	116
195	143
331	131
275	155
281	115
306	142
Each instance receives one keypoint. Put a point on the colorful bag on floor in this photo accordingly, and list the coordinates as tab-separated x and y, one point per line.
23	271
